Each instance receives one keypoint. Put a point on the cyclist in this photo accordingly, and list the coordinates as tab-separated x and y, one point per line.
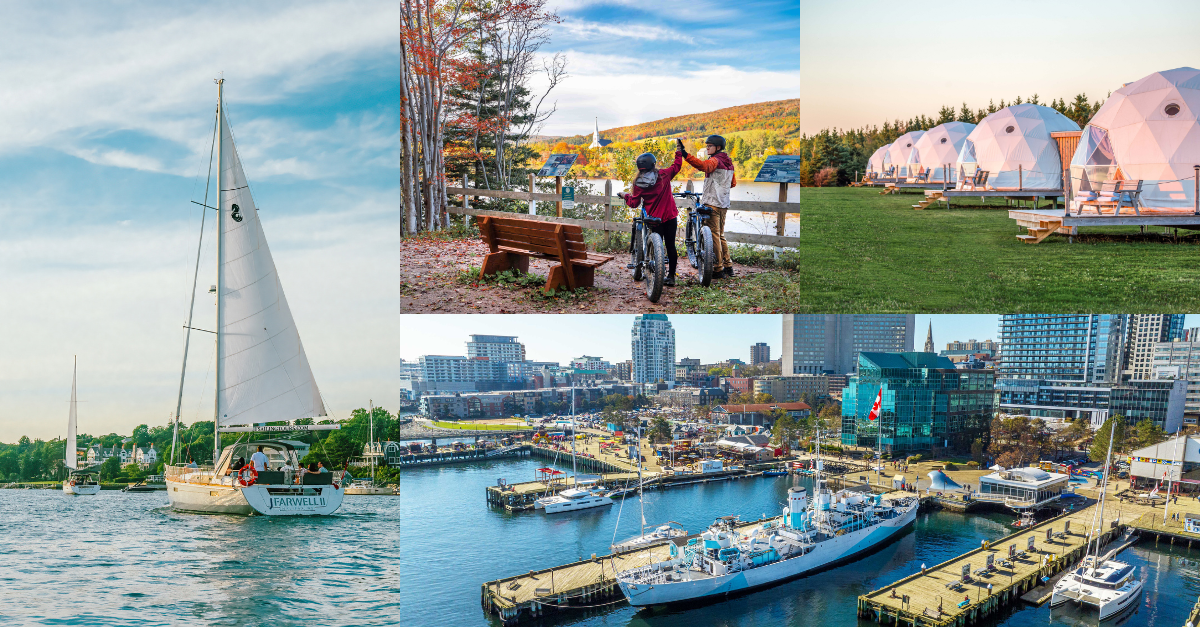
718	178
652	188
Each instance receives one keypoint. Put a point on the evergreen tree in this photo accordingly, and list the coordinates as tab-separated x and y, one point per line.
1099	446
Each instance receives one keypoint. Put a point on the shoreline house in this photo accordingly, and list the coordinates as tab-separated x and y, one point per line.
145	457
1176	460
1022	488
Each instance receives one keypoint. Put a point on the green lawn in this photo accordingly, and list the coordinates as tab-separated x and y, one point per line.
863	252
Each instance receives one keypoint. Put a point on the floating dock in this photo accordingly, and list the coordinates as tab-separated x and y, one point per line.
935	596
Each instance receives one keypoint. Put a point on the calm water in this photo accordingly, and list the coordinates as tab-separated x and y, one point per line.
419	559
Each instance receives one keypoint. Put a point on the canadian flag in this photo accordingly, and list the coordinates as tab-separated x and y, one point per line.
875	408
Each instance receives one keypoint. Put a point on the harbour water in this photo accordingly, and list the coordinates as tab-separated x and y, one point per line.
126	559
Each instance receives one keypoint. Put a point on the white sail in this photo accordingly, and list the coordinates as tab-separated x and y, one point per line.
70	456
265	375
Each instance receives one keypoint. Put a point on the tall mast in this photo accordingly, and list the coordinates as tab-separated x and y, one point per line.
1104	490
371	440
641	503
1171	467
220	267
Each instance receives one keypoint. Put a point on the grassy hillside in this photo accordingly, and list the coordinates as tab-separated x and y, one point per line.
780	116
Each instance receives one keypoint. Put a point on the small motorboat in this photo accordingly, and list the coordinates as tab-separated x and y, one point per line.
1025	521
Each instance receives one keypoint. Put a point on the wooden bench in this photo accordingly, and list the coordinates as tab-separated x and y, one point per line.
512	241
977	180
1115	194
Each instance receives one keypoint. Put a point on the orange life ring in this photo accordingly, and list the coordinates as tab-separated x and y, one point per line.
248	471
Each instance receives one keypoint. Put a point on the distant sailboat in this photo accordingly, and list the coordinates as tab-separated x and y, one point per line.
77	482
262	373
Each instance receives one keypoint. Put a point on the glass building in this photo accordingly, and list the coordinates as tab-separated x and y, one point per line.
653	345
927	403
830	343
1062	347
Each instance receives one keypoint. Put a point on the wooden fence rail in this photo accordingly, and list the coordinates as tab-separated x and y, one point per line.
781	209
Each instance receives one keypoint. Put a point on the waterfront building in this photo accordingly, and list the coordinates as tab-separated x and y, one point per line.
1174	459
759	414
1144	331
788	388
760	353
145	457
928	404
499	348
1161	402
439	372
830	343
653	345
1181	360
587	362
1022	488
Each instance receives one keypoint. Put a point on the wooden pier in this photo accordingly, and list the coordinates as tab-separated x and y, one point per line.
589	583
935	596
457	457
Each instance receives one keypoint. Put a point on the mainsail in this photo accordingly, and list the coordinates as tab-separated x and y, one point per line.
70	455
264	375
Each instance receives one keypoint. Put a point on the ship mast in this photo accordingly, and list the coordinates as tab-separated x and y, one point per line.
220	269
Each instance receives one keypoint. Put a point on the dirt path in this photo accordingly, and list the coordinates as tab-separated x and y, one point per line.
429	283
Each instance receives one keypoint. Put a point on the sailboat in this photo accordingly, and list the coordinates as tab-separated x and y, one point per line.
371	450
575	498
262	373
1109	585
77	482
661	533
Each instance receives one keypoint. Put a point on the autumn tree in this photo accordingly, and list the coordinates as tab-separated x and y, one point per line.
1017	440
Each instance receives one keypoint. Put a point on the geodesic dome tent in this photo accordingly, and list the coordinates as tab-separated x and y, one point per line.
1148	130
875	162
937	150
900	150
1014	145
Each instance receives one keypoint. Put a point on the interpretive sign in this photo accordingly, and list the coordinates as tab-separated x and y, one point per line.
568	198
779	169
557	165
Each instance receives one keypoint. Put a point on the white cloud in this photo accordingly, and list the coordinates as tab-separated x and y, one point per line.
583	29
148	69
624	90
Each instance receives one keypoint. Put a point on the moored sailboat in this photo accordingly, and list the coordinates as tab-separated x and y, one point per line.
77	482
262	373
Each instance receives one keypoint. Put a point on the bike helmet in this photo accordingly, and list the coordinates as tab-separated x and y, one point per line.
716	140
646	161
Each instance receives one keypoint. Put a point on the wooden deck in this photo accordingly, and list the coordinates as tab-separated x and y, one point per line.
1065	223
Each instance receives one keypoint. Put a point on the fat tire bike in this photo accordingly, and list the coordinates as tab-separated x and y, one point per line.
647	255
698	237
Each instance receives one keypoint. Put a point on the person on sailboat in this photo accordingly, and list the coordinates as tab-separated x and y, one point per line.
192	464
236	466
259	459
321	467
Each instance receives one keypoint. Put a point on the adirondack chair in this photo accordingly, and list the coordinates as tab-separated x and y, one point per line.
977	181
1115	194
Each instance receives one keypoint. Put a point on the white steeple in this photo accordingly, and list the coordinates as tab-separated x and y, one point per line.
596	136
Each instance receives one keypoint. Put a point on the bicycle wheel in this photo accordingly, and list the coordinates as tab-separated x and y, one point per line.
655	268
704	247
638	252
690	241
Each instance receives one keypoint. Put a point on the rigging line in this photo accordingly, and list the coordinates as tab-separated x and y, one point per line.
204	205
199	329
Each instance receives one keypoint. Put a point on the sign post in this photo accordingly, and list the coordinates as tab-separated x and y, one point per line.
782	169
568	198
557	166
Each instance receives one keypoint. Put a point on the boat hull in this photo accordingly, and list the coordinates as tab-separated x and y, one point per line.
1105	607
283	500
81	490
835	551
559	508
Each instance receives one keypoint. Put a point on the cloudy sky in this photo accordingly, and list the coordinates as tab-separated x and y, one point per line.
633	61
107	116
868	61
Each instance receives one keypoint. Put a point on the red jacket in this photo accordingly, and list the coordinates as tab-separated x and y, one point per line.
656	197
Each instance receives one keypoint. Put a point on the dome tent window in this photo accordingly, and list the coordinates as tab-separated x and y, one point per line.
943	140
1171	110
1010	129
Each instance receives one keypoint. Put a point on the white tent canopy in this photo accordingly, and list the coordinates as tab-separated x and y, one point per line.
1148	130
900	150
938	148
875	163
1014	145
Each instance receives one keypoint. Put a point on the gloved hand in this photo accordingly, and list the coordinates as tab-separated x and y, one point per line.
679	147
621	195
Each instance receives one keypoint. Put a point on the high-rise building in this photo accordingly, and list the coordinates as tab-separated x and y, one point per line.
1084	348
971	347
503	348
1181	360
760	353
1144	331
653	344
1070	366
788	388
927	403
830	343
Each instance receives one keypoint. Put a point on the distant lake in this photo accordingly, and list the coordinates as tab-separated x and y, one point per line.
743	221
